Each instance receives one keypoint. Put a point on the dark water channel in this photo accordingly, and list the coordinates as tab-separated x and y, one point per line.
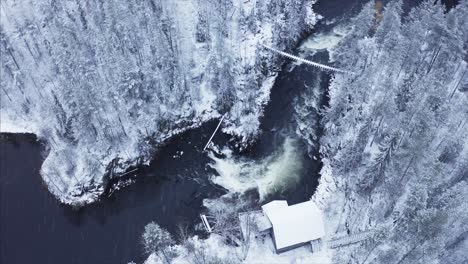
35	228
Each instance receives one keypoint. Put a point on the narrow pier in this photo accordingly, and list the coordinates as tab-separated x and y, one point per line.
211	138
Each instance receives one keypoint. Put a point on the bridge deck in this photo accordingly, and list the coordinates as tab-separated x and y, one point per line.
308	62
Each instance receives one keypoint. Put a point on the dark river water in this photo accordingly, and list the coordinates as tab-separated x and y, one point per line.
35	228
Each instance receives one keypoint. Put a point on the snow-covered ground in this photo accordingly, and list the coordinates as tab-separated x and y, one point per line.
105	83
215	250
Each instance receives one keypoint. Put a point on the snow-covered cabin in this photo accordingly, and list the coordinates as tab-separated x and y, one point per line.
290	226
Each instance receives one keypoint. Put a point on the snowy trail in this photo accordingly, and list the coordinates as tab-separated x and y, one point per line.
311	63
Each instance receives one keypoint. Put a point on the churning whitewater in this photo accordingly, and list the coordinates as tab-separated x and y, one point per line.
275	173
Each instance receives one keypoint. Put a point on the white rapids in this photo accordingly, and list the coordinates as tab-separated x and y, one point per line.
275	173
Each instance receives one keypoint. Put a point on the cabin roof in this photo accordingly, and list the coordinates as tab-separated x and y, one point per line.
296	224
274	206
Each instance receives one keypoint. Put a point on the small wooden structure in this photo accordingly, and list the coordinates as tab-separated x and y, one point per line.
206	224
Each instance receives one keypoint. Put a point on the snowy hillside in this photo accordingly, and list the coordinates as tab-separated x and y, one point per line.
103	83
395	146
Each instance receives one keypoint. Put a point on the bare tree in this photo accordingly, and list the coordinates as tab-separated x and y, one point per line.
159	241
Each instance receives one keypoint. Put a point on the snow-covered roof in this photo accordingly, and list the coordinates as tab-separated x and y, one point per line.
294	224
274	206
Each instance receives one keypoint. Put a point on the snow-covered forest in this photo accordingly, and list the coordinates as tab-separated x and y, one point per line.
104	84
395	145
